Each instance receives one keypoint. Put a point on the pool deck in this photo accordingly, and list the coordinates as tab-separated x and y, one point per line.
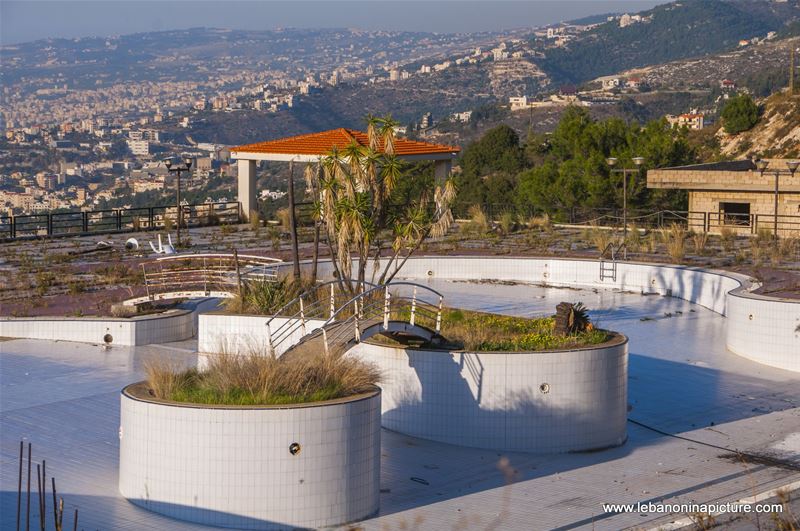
692	405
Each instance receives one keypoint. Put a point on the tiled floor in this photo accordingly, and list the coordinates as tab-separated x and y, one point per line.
64	398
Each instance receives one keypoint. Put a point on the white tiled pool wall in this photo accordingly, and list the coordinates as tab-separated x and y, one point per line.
176	325
766	331
533	402
233	467
245	334
770	337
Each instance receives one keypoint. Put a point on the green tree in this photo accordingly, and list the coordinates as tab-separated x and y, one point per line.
357	189
489	167
740	113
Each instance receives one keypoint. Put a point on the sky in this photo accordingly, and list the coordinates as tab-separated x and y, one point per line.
28	20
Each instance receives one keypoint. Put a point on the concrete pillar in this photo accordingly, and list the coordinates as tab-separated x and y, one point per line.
246	192
441	170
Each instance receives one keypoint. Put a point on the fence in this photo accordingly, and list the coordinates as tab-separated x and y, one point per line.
612	217
61	224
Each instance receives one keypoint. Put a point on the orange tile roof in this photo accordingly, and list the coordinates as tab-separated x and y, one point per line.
323	142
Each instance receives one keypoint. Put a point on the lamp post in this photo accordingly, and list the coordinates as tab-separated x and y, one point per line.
186	166
761	166
612	161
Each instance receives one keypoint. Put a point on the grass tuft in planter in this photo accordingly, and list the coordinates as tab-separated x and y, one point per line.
256	379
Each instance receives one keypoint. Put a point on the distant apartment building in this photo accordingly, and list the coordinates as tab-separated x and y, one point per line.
635	82
689	120
611	83
394	74
461	116
427	121
140	148
518	102
727	84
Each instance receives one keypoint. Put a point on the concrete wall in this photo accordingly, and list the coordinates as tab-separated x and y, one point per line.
231	467
548	402
174	325
762	205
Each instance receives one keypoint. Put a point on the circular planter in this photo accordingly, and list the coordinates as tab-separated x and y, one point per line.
544	402
260	467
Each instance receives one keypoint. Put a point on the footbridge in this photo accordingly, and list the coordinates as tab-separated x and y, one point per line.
330	319
221	275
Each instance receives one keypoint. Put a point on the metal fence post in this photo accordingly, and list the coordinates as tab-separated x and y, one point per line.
439	316
386	307
413	306
302	315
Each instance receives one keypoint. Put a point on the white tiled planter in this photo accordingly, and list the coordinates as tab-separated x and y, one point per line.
173	325
232	467
548	402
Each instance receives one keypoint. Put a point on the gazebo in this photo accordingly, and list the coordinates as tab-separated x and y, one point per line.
312	147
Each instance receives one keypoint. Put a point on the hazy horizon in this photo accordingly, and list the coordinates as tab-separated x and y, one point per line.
25	21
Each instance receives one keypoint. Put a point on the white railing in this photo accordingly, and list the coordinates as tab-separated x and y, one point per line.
394	307
206	273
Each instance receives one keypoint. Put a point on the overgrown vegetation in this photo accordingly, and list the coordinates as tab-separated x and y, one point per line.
567	170
486	331
265	297
256	379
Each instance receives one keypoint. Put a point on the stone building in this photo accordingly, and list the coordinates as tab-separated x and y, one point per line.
740	195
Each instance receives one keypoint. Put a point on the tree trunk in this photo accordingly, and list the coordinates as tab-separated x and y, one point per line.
315	259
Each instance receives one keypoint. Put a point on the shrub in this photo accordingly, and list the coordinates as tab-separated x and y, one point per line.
478	222
727	236
284	218
255	221
507	223
634	239
700	240
675	240
740	113
542	222
599	237
265	297
256	379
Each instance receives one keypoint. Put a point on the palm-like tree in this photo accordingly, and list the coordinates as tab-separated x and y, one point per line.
354	186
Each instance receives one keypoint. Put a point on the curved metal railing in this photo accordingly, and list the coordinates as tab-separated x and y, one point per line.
378	308
206	273
318	303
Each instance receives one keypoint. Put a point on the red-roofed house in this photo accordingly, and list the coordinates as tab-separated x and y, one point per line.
312	147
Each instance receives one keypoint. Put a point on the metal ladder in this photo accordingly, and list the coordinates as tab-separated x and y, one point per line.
608	269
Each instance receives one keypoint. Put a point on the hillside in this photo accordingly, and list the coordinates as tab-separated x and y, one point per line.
776	135
668	32
761	68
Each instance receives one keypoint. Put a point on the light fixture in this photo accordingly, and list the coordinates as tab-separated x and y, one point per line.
638	160
793	165
611	161
761	165
168	163
188	162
